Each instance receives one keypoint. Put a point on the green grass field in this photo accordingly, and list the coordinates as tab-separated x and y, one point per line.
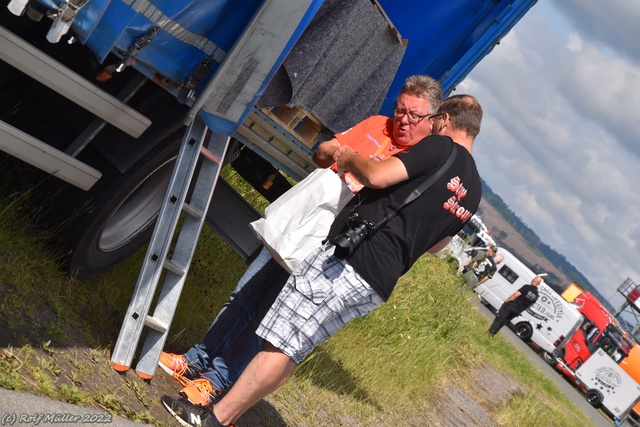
390	368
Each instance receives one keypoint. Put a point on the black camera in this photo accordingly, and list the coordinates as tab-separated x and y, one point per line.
346	242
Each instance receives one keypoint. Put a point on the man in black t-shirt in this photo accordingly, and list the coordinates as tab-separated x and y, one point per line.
484	269
518	302
477	255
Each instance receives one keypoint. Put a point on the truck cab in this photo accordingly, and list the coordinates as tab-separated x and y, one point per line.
599	330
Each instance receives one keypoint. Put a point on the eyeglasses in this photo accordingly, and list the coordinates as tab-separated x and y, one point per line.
437	116
414	118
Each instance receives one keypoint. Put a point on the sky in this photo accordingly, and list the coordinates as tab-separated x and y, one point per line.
560	139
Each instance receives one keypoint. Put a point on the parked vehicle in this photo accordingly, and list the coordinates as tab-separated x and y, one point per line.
607	385
599	330
98	94
600	333
470	241
548	324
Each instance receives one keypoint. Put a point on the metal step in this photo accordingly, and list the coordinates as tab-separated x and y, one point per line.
35	152
33	62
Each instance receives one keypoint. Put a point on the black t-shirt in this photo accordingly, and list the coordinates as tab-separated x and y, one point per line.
485	267
528	296
439	212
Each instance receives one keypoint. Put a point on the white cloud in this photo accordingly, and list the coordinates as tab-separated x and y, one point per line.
598	86
611	23
574	44
559	142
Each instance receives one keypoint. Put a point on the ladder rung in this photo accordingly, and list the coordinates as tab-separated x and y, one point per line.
209	155
175	268
194	212
155	324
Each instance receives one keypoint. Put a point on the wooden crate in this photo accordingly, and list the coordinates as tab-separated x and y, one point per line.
302	124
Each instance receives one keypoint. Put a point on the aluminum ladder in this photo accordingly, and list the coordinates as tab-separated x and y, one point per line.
157	261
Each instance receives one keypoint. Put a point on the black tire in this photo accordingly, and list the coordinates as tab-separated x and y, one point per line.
549	358
119	213
594	397
524	331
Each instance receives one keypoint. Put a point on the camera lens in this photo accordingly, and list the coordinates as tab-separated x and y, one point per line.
348	241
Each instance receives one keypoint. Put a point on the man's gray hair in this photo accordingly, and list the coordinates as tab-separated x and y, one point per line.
424	87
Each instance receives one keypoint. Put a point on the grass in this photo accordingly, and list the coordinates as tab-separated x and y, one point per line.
395	366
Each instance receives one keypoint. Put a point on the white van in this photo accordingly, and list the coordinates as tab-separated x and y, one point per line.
549	323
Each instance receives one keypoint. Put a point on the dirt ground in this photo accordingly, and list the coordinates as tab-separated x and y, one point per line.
81	368
491	388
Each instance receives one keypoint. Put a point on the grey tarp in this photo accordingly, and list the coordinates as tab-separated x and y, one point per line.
342	66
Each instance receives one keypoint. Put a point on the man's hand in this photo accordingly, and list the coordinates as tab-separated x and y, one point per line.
323	156
513	296
373	173
341	150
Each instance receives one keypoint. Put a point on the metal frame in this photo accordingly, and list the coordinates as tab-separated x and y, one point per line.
33	151
33	62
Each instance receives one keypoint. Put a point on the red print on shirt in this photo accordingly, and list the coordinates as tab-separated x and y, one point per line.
453	204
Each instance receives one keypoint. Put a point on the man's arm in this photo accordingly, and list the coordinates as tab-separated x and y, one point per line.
372	173
489	276
513	296
323	156
440	245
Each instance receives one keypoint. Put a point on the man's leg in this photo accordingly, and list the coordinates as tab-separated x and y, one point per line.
323	296
268	370
219	358
317	301
237	312
228	365
503	316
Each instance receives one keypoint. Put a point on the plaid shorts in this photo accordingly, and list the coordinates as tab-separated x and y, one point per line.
322	296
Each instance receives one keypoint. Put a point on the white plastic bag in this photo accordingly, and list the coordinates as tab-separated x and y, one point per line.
299	220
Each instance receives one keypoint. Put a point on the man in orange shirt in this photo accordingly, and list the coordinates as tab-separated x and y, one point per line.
214	365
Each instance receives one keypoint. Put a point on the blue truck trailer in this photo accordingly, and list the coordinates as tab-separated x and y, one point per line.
98	92
110	96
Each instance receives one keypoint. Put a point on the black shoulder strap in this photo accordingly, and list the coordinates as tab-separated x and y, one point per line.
433	178
422	187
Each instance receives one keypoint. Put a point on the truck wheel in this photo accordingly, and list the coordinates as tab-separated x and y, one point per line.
524	331
119	213
594	397
549	358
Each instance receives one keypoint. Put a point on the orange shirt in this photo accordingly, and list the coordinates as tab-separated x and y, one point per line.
369	137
